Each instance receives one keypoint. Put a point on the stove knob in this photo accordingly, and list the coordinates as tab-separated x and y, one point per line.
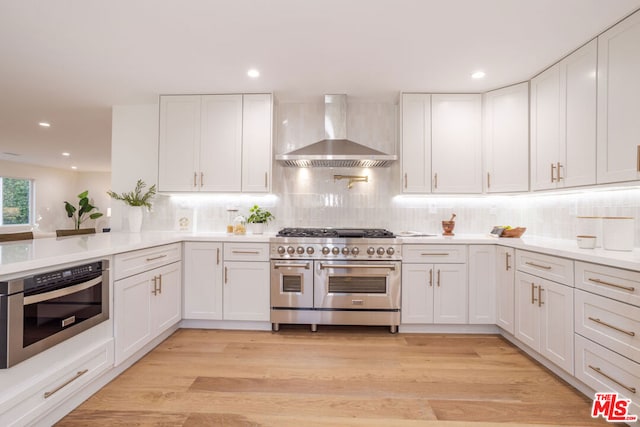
370	250
335	251
380	251
281	250
355	251
325	250
345	251
310	250
300	250
391	251
290	250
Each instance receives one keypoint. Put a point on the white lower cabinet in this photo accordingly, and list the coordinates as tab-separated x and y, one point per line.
544	318
434	293
202	296
482	284
145	305
246	291
505	288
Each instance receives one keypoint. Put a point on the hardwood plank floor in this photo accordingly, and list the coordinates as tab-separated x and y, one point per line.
349	376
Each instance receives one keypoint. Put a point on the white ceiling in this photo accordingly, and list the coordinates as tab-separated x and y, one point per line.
69	61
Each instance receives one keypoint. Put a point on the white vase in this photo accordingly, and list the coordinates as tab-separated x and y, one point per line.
135	218
257	227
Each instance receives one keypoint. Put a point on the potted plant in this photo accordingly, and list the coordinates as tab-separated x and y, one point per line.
136	199
84	208
258	218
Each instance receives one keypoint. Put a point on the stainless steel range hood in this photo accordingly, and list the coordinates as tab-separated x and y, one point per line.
336	150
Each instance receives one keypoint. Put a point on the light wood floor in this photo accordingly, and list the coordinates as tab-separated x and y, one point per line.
335	377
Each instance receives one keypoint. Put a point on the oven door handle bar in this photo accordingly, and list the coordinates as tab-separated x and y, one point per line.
386	266
33	299
305	266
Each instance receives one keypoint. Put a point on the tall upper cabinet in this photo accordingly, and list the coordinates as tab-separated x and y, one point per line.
563	122
441	150
215	143
506	139
619	102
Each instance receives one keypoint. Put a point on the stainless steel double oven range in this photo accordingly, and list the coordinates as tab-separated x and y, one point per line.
323	276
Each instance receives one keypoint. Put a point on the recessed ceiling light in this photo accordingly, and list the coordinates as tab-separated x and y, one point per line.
74	167
253	73
45	124
66	154
478	75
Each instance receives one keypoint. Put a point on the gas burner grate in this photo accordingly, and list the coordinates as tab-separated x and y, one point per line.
368	233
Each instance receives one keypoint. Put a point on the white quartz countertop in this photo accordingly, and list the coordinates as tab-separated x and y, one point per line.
19	257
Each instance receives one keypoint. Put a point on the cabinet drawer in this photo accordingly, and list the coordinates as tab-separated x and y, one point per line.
246	252
435	253
604	370
134	262
621	285
610	323
546	266
34	402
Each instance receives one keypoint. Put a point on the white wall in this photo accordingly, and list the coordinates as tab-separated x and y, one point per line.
53	187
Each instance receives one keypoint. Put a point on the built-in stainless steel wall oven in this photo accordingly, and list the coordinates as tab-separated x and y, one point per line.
335	276
42	310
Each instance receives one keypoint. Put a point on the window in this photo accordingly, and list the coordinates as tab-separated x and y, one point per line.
15	201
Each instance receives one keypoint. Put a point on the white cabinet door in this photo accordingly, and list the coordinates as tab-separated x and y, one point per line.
202	280
545	128
246	291
256	143
456	129
450	293
221	143
505	288
179	143
527	323
578	117
619	102
132	314
556	324
482	284
416	143
506	139
167	303
417	293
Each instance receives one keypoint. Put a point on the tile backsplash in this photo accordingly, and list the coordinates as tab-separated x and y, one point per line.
312	197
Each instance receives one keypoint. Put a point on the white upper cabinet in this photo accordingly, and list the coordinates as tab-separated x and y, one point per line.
619	102
416	143
456	132
506	139
215	143
563	118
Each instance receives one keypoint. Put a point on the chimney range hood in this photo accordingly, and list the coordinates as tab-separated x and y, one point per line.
335	150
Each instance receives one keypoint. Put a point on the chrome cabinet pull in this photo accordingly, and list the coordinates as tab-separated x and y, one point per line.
406	181
608	325
431	277
506	260
305	266
438	277
217	256
602	282
226	277
533	293
387	266
245	252
156	257
533	264
159	283
155	285
598	370
540	296
553	173
48	394
435	180
195	179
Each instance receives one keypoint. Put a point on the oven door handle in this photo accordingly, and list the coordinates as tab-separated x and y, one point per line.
33	299
386	266
305	266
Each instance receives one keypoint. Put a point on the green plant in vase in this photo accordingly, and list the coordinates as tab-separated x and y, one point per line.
136	199
259	218
84	208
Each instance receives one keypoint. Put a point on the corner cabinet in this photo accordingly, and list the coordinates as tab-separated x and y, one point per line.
505	288
215	143
506	139
563	122
619	102
482	284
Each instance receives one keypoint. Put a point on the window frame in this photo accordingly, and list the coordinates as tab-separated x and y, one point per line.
32	204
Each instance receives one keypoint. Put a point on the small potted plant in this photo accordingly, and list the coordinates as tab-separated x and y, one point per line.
136	199
259	218
84	207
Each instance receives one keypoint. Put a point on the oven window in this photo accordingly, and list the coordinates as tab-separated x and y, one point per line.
357	285
292	283
45	318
